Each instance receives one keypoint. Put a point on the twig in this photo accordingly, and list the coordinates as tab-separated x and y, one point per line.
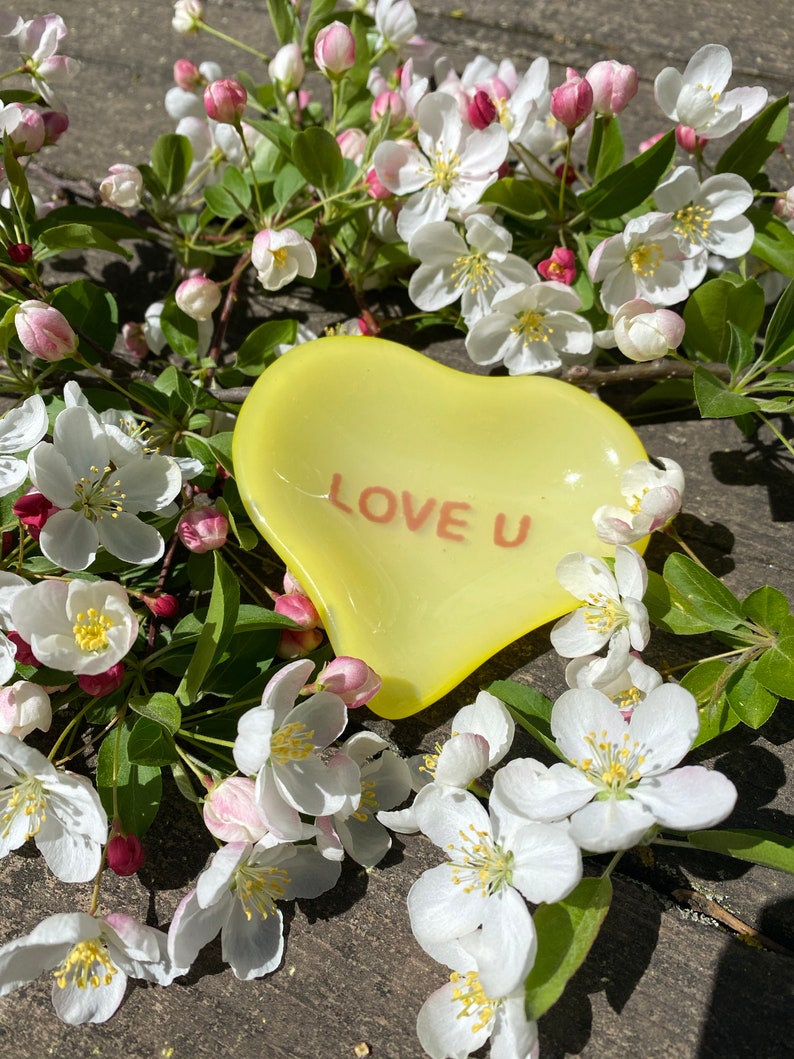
700	903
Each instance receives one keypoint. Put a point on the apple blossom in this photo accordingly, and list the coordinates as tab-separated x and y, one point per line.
24	707
198	297
12	646
688	140
297	643
122	186
335	50
352	144
44	331
225	100
20	429
61	812
643	333
783	206
38	41
482	111
531	328
231	812
614	85
626	689
349	678
653	491
125	854
97	685
572	101
299	608
395	21
24	128
697	97
55	125
287	67
20	253
619	779
561	266
391	102
203	529
280	256
90	959
187	75
188	16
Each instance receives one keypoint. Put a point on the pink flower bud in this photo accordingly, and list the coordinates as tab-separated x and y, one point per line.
231	812
125	855
351	679
688	140
55	125
203	529
572	101
561	266
783	206
164	605
24	127
187	75
645	145
335	50
352	143
24	654
33	509
198	297
614	85
287	67
224	100
297	643
101	684
389	101
44	331
644	333
568	171
134	338
375	189
292	584
299	608
20	253
482	111
23	707
122	187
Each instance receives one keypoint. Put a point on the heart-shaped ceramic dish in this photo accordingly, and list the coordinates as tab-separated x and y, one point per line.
424	510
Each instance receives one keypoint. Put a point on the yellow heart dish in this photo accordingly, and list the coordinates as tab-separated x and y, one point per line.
424	510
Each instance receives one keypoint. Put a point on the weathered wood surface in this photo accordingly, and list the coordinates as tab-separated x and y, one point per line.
662	980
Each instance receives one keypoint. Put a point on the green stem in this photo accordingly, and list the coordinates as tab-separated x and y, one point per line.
784	441
233	40
564	177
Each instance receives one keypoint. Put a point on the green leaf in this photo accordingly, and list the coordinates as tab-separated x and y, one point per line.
288	183
110	222
605	153
237	185
180	330
319	158
715	400
283	19
751	148
775	668
319	13
151	744
670	610
257	351
767	607
221	201
80	237
139	787
741	351
519	198
712	307
172	156
216	631
530	708
566	932
760	847
630	185
221	448
705	594
773	242
706	681
173	382
17	184
160	707
779	341
91	310
751	702
183	782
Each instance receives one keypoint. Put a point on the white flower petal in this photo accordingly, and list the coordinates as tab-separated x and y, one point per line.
687	798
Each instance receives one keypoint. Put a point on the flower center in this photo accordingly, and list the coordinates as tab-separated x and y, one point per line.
474	1004
279	256
646	259
98	496
613	766
292	742
88	963
480	865
445	170
693	222
91	630
473	271
602	613
530	326
431	761
368	805
259	888
26	797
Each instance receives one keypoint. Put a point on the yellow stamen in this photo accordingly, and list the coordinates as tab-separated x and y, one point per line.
88	964
91	630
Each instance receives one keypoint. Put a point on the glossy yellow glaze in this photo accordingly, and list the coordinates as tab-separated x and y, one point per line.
423	509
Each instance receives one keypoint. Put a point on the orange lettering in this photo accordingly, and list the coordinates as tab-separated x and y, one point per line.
499	531
415	520
333	494
447	519
364	506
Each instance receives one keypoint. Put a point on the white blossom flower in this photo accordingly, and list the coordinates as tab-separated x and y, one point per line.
277	742
395	21
237	896
79	627
645	260
528	104
38	41
643	333
626	689
473	269
384	782
622	779
61	812
708	216
450	171
531	328
91	959
460	1017
99	497
653	491
697	98
280	256
10	585
612	612
478	895
20	429
23	707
